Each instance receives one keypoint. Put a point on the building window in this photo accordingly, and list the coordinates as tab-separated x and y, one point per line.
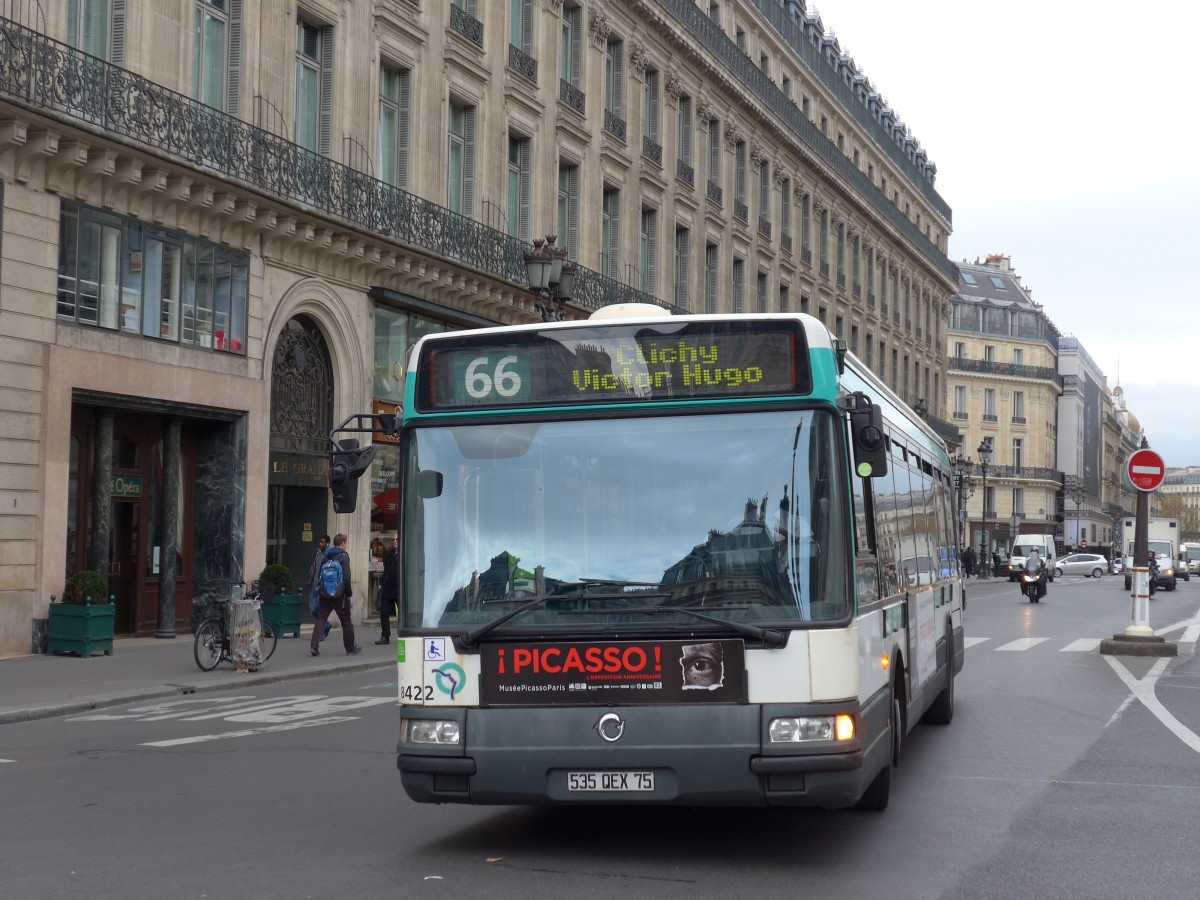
960	350
1018	406
960	401
869	346
568	208
764	190
989	353
989	404
650	106
682	266
854	339
610	233
571	54
395	103
763	304
521	26
120	274
785	299
684	127
460	166
714	152
785	213
998	282
648	252
518	186
711	261
1018	356
739	172
1018	501
314	87
217	64
98	27
614	79
805	227
739	285
1017	455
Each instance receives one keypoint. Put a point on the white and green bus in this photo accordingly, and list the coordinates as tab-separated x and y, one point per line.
658	559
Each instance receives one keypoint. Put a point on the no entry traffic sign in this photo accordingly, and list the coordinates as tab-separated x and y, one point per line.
1146	470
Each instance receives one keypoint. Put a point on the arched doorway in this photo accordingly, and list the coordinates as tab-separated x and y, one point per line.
301	417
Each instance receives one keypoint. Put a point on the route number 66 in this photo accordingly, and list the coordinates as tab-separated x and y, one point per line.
483	380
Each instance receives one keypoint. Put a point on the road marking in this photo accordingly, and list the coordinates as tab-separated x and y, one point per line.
1143	690
7	760
1021	644
1083	645
971	642
248	732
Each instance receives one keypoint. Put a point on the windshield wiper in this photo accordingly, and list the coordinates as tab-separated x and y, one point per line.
771	637
468	640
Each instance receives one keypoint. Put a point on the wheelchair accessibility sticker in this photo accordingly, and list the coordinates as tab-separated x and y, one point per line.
435	650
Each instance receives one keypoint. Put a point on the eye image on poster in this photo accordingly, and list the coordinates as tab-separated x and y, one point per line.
702	667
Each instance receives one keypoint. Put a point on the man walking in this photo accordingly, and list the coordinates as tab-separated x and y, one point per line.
389	590
310	586
334	590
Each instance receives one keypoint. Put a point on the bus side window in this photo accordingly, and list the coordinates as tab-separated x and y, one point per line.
866	581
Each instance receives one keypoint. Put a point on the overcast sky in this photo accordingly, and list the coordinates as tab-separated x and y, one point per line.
1065	136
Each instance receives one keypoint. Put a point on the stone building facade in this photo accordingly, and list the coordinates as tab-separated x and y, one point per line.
224	224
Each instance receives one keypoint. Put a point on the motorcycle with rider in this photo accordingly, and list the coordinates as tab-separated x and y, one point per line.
1034	577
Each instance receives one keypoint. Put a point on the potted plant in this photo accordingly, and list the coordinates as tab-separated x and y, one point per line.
281	602
83	622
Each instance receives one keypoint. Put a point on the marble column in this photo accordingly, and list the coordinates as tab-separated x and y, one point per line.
170	531
101	550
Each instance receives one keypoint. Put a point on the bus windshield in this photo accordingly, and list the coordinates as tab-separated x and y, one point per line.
626	524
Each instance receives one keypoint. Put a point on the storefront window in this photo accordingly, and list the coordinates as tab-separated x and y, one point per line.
117	273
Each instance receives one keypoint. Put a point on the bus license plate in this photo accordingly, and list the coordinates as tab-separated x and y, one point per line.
610	781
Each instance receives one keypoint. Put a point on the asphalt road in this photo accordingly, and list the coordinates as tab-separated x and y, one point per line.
1065	774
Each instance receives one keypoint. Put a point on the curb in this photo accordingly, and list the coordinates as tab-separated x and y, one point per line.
101	701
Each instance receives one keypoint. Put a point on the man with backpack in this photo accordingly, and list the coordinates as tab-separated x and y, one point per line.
334	591
310	585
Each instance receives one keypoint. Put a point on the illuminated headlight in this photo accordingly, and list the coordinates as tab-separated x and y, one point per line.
1168	572
429	731
798	729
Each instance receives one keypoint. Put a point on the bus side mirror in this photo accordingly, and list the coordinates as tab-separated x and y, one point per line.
870	443
347	463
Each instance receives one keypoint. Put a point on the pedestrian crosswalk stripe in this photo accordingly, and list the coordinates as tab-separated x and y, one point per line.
1021	644
1083	645
971	642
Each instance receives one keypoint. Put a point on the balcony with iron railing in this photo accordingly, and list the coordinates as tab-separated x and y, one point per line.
652	150
764	227
50	78
715	193
463	23
1007	370
571	96
522	63
685	173
614	125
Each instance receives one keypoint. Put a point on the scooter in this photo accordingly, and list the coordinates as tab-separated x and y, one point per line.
1033	582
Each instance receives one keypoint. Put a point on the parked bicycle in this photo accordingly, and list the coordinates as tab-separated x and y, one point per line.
214	639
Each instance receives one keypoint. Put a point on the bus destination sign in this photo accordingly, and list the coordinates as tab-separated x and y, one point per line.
614	364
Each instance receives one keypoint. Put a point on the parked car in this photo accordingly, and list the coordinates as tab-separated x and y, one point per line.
1115	566
1081	564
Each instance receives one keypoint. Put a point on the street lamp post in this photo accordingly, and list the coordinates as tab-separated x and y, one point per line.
985	456
1077	494
963	491
551	278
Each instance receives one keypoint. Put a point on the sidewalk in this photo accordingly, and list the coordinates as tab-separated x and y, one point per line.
39	686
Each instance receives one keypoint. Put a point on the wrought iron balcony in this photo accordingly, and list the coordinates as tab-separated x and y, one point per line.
841	280
870	298
764	227
467	25
857	290
715	194
806	256
51	78
685	173
1010	370
571	96
614	125
741	211
825	268
652	150
785	242
522	63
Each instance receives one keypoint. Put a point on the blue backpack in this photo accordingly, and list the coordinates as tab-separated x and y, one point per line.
331	584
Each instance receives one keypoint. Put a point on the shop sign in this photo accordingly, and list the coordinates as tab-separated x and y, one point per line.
299	470
127	486
387	407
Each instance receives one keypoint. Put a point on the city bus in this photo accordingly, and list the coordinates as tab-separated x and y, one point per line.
657	559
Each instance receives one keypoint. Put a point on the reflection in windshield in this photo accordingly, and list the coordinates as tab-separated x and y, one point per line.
738	515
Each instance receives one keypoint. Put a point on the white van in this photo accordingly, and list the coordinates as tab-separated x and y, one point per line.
1043	543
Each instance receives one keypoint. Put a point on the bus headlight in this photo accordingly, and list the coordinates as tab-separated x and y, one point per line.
798	729
429	731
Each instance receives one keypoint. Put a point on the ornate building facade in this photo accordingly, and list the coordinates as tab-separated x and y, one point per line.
225	223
